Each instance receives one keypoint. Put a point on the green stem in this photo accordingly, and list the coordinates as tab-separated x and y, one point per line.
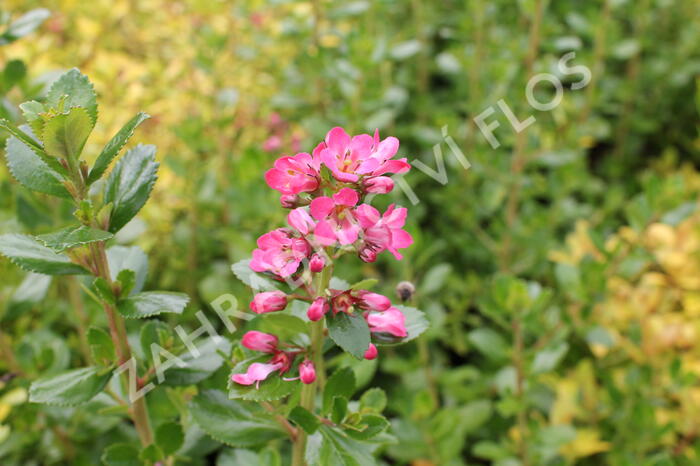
308	392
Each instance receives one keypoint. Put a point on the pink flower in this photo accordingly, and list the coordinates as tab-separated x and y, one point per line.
307	372
301	221
272	144
336	220
279	252
371	352
289	201
294	175
380	160
378	184
259	341
372	301
269	301
391	321
255	373
316	263
383	232
317	309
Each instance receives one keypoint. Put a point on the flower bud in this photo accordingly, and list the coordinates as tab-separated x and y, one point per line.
316	264
259	341
379	185
367	253
405	291
317	309
372	301
269	301
307	372
289	201
391	321
371	352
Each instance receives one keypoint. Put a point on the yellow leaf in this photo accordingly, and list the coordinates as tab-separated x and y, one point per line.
586	443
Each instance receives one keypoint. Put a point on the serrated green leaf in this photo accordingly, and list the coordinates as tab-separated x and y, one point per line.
341	383
149	335
232	422
31	255
256	281
272	388
350	332
34	168
101	346
32	111
170	437
132	258
370	426
78	92
114	146
64	135
416	324
151	303
121	454
71	237
199	367
130	184
304	419
151	454
340	450
69	388
126	280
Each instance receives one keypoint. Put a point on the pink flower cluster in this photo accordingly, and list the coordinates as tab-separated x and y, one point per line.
325	192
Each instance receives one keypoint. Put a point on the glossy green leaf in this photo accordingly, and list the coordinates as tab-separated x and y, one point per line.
121	454
31	171
336	448
71	237
170	437
101	346
31	255
232	422
489	343
370	426
69	388
339	409
340	383
350	332
65	134
373	401
132	258
151	303
77	90
114	146
198	367
130	184
256	281
304	419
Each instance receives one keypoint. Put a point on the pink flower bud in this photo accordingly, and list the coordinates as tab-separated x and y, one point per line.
391	321
272	144
379	185
289	201
317	309
307	372
268	301
259	341
371	352
367	253
316	264
372	301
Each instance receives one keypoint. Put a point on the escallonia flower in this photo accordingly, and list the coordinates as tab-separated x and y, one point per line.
295	174
279	252
336	218
258	371
268	301
391	321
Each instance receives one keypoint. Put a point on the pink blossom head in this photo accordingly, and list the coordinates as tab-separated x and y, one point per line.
344	155
316	263
317	309
371	352
378	184
372	301
272	144
279	252
307	372
336	219
259	341
294	175
391	321
342	301
268	301
301	221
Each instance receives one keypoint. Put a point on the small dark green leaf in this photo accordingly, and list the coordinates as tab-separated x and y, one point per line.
71	237
340	450
31	255
232	422
14	72
370	426
373	401
339	409
150	303
78	91
121	454
341	383
127	281
104	290
130	184
114	146
489	343
65	134
350	332
170	437
101	346
69	388
150	334
128	258
151	454
244	273
304	419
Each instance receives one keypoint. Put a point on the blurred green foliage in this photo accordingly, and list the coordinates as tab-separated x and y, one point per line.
547	343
